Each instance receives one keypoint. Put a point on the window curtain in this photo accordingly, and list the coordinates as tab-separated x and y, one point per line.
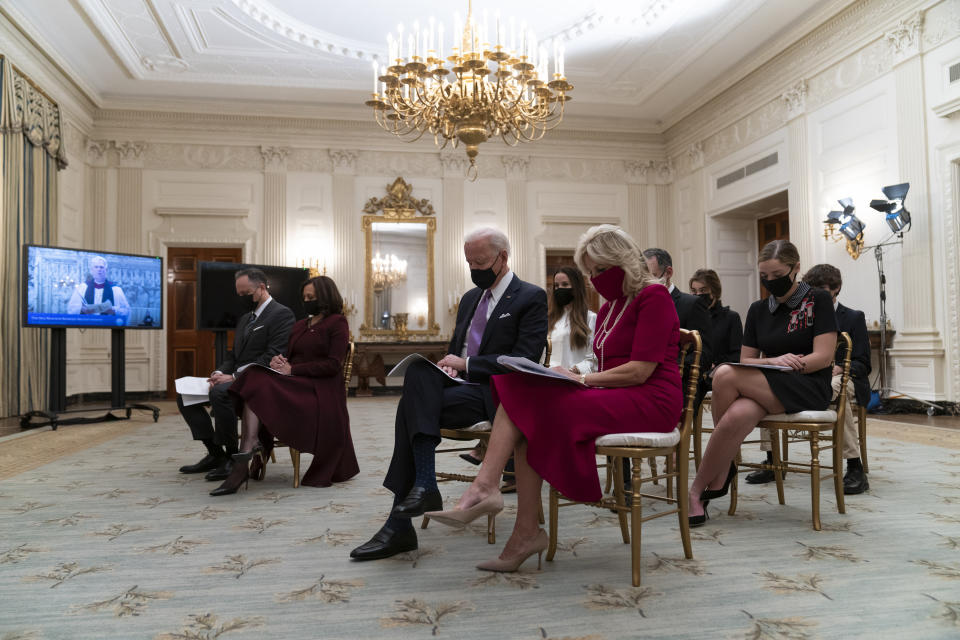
32	154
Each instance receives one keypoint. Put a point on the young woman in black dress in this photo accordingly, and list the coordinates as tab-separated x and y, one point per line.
794	327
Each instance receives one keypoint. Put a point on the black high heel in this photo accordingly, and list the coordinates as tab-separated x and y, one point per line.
245	456
239	475
699	521
710	494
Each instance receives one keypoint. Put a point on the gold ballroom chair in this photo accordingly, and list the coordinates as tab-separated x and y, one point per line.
862	434
479	431
294	454
823	430
674	446
698	429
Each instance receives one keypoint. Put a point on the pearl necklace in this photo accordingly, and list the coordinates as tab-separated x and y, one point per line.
605	332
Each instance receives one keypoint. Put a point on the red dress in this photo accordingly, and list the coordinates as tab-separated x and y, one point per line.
307	409
561	421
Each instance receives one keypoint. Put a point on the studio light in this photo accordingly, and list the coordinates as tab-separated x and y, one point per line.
898	218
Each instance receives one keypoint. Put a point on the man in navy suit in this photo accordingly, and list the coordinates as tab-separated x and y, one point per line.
852	321
501	316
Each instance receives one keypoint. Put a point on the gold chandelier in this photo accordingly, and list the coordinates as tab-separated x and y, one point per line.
387	271
499	85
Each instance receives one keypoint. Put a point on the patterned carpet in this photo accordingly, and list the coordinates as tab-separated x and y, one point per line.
112	542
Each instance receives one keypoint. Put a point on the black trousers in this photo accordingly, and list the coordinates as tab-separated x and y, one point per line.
430	401
223	429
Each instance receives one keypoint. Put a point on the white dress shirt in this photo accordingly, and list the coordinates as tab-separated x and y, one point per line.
563	353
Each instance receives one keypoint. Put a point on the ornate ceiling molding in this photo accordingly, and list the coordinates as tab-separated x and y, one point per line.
515	166
906	38
274	158
344	161
131	154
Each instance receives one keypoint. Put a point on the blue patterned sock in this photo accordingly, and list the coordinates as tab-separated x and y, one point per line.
424	454
399	525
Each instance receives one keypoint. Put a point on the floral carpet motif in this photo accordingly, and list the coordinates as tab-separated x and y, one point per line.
113	542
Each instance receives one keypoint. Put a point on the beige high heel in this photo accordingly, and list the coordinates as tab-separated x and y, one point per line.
460	518
537	546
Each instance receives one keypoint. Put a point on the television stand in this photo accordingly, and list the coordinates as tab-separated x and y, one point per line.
58	387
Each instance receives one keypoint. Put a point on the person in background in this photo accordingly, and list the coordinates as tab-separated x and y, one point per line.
303	404
725	326
794	327
852	321
571	323
262	332
501	315
97	295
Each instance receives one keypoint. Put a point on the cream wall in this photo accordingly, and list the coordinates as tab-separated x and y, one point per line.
848	109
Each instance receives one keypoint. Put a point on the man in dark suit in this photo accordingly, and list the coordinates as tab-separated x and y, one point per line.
852	321
261	333
502	316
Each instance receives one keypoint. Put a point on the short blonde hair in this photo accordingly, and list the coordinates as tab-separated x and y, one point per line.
609	245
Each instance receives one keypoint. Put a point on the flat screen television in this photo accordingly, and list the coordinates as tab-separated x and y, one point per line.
90	289
220	306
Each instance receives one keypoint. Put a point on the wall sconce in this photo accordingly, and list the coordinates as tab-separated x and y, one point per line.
898	218
453	303
316	267
350	306
850	227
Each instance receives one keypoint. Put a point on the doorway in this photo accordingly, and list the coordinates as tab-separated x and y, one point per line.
770	228
190	352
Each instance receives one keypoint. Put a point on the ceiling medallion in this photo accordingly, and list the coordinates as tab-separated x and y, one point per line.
500	85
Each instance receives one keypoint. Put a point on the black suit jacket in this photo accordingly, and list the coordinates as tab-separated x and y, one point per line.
854	323
694	315
266	338
517	327
727	337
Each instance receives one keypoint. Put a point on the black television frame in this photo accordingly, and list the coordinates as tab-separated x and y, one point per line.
297	309
23	290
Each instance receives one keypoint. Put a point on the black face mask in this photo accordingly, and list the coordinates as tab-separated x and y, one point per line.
247	303
778	286
484	278
311	307
706	297
563	296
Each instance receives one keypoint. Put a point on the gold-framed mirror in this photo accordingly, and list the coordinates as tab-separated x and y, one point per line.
398	265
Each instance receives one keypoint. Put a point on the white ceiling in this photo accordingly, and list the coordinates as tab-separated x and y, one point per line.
649	61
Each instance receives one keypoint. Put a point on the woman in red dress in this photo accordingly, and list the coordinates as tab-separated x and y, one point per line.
551	425
301	401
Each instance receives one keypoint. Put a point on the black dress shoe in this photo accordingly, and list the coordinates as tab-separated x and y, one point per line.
418	502
386	543
699	521
472	459
761	476
855	480
207	463
221	472
711	494
238	476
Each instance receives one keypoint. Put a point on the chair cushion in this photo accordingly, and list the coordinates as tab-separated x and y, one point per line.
639	439
483	425
803	416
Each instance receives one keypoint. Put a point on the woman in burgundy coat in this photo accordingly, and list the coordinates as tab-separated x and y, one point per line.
301	400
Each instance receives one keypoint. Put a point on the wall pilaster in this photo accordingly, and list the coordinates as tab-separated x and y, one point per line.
451	273
130	196
347	237
274	204
95	223
798	193
638	208
917	355
516	174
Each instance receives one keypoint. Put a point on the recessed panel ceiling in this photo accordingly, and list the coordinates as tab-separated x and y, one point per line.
638	59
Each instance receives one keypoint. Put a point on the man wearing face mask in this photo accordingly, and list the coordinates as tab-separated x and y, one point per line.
852	321
262	332
502	315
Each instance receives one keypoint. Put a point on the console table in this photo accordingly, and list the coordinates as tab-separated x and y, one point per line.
372	359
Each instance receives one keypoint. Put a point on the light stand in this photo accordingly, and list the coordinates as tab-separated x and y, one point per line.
884	389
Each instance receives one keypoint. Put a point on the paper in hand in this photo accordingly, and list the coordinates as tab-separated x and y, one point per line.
404	364
192	390
516	363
